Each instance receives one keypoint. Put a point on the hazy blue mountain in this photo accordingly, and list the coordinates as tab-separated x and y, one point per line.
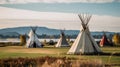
42	30
9	34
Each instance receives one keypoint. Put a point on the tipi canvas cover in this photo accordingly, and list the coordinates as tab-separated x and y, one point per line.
62	42
84	43
104	41
33	41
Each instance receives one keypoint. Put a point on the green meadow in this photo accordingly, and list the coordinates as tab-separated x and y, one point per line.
21	51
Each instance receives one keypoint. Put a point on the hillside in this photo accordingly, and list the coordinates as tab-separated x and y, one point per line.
40	30
16	31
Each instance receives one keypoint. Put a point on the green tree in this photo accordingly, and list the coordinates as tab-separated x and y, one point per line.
22	39
116	39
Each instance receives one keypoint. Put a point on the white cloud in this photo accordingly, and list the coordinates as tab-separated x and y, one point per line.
11	13
54	1
105	23
10	17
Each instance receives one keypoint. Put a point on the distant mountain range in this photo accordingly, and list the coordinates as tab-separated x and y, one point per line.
16	31
39	31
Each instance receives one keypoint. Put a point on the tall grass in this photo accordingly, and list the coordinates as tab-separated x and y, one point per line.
49	62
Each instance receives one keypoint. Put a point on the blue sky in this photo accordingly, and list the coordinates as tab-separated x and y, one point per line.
60	14
92	8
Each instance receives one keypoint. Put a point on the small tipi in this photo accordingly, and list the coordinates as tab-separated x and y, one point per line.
104	41
33	41
62	42
84	43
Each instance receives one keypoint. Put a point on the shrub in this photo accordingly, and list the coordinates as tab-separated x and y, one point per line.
49	61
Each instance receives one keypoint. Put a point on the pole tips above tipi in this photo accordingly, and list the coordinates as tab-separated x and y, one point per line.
85	18
84	43
34	29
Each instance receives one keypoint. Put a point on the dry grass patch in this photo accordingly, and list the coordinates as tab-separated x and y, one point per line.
49	62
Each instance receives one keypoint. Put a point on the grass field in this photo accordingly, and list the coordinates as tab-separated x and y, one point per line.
21	51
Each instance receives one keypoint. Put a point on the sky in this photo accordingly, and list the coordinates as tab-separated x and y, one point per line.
60	14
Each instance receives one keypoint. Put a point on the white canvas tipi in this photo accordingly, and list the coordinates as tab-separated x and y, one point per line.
33	41
84	43
62	42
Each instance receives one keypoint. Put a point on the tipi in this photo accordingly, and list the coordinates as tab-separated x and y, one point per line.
62	42
33	41
104	41
84	43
